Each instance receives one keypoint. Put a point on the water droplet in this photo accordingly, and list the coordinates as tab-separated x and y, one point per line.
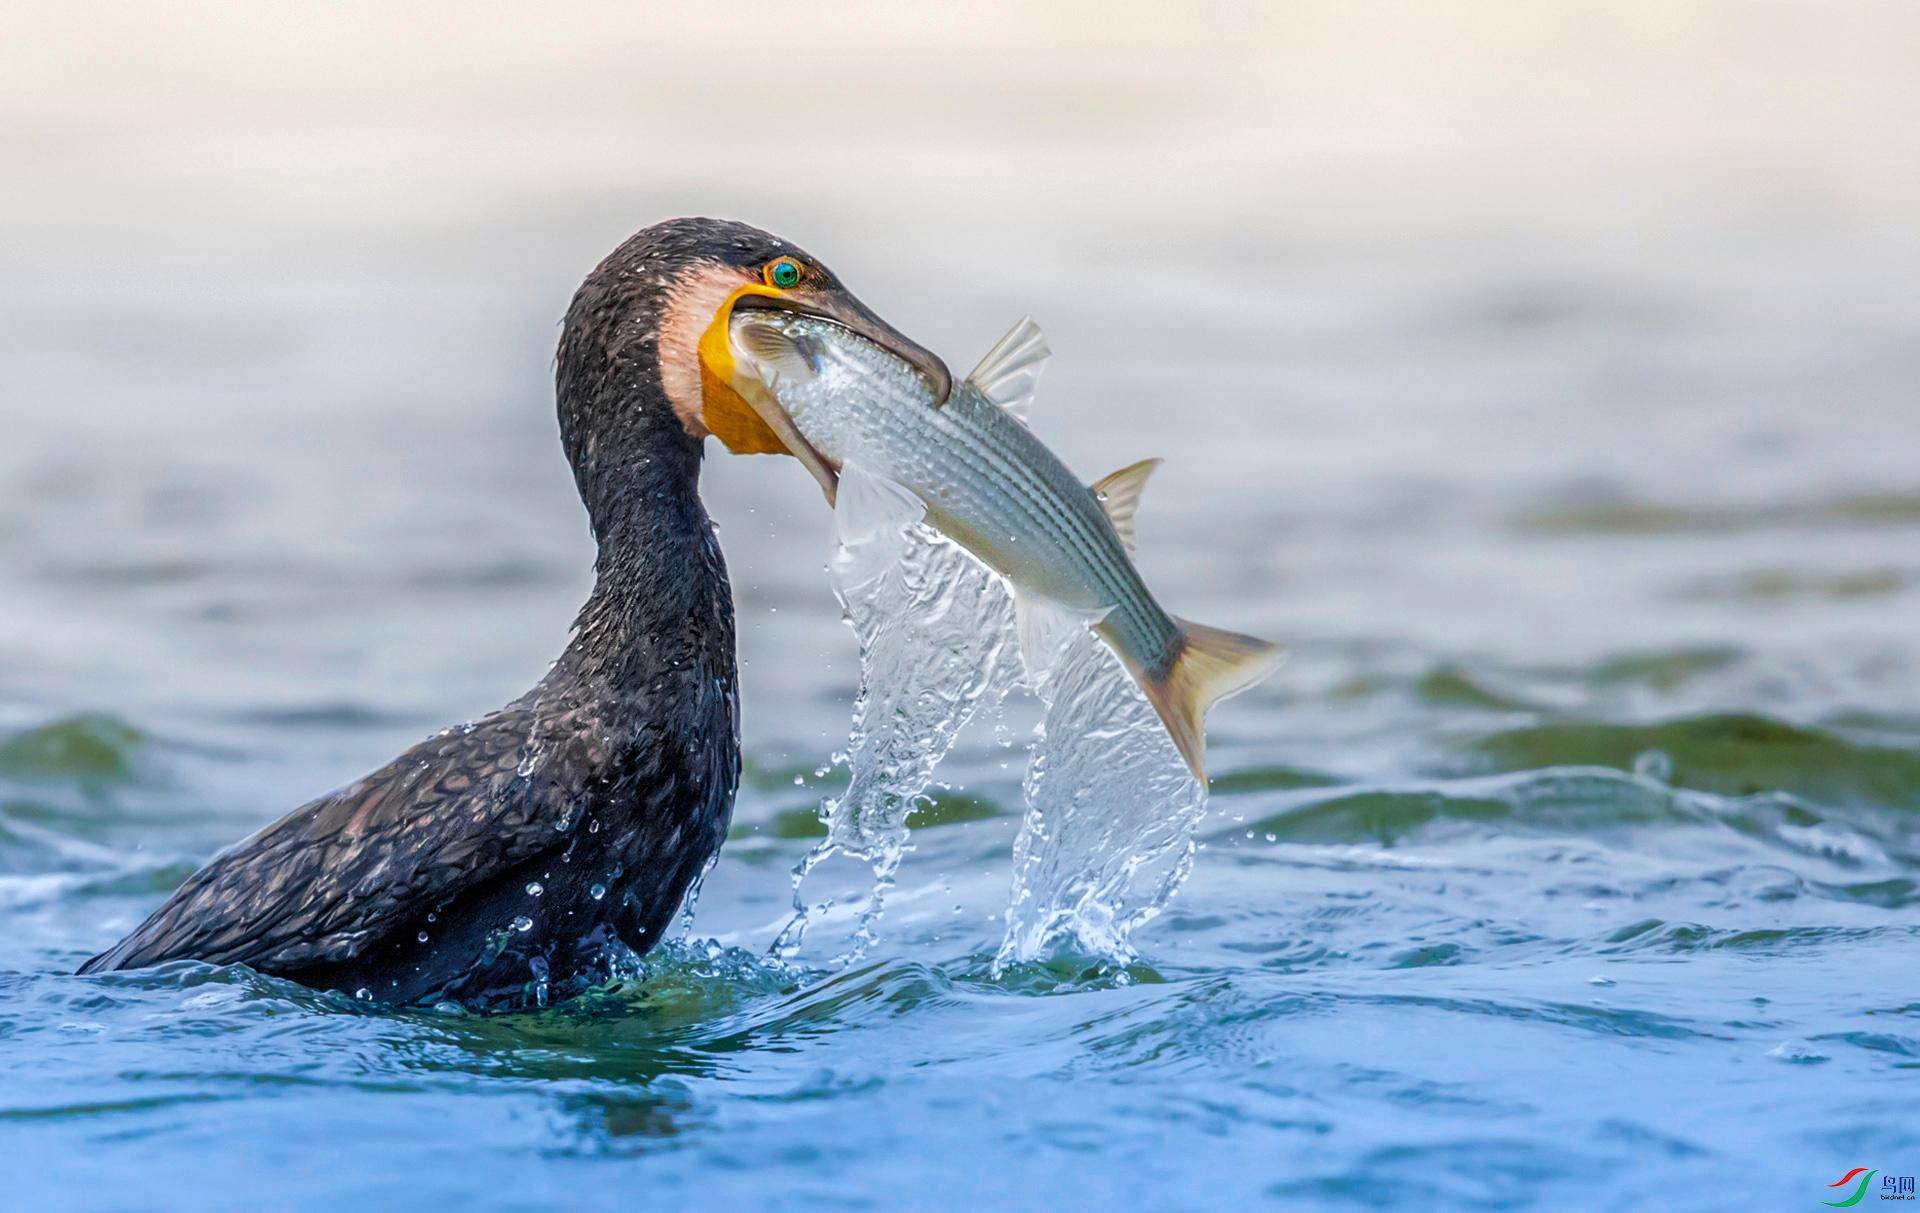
597	891
523	924
534	888
1656	765
423	937
363	994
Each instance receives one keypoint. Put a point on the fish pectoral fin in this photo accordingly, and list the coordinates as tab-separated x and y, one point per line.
1045	627
775	358
775	353
868	507
1010	373
1119	496
1210	665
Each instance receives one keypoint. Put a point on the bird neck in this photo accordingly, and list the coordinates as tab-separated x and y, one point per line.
661	607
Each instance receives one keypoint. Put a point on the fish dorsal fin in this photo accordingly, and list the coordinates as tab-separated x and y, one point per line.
1011	370
1119	495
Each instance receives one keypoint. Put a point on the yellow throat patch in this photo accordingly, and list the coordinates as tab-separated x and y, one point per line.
726	413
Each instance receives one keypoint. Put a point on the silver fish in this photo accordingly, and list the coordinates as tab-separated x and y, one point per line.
888	451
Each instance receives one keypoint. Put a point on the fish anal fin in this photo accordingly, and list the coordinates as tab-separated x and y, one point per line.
1010	372
1119	496
1045	626
1210	665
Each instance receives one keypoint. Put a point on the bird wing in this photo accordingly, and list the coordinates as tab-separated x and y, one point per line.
334	875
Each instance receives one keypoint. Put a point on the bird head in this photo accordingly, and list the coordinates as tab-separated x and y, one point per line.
645	363
719	268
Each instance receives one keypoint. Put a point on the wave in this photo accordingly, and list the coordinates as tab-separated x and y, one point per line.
90	749
1571	799
1656	935
1728	754
1772	846
1635	516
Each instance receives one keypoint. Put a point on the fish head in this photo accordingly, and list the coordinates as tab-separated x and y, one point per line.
716	390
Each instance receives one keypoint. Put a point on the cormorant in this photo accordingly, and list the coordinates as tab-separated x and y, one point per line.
507	861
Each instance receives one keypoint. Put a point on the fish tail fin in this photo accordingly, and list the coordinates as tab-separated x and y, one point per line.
1209	665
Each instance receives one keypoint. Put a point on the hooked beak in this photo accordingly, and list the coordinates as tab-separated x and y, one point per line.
841	308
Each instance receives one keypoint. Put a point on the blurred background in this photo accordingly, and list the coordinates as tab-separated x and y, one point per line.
281	289
1545	374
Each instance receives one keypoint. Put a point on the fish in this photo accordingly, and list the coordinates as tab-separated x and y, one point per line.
889	452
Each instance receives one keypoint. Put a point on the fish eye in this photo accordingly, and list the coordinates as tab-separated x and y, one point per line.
784	272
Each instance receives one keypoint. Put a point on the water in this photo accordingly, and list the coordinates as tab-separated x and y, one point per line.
1111	810
936	637
1547	388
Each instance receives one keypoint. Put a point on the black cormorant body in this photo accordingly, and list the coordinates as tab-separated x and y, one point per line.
512	860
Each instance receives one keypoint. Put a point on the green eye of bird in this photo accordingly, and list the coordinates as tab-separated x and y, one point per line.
783	273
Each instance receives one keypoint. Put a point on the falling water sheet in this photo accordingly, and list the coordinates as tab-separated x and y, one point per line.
935	629
1111	809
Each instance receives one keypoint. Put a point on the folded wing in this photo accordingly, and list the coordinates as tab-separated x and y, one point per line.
334	876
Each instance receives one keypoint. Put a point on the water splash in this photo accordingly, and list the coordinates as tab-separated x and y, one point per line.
689	903
1111	810
936	631
1108	834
